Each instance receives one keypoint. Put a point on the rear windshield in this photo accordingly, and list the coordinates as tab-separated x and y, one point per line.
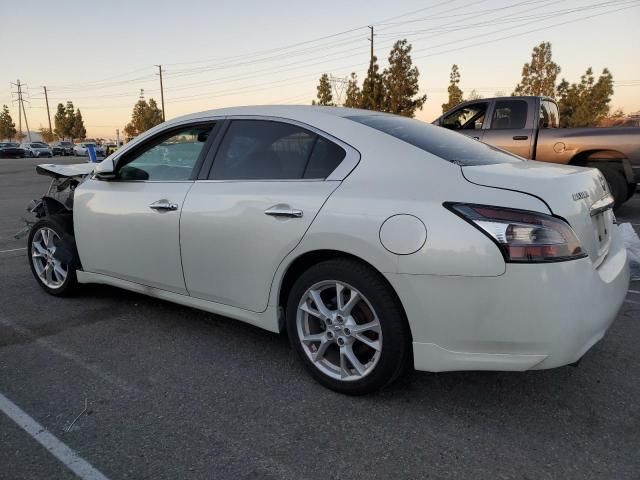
451	146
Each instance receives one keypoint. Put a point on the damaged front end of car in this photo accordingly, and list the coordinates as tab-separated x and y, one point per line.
57	203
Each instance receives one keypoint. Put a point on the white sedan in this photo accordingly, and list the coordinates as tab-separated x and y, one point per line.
82	150
376	242
37	149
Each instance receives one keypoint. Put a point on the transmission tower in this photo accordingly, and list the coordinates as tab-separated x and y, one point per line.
338	85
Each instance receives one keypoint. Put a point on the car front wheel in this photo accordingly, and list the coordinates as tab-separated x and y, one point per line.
53	271
347	326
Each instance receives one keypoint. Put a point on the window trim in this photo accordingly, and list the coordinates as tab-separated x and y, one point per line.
495	108
138	147
346	166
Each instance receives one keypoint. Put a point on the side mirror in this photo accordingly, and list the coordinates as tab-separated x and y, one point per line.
105	170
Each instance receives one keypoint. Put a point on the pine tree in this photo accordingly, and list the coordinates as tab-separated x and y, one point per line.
582	104
353	95
7	126
69	120
400	82
59	122
324	95
455	94
373	97
78	130
539	76
144	116
153	115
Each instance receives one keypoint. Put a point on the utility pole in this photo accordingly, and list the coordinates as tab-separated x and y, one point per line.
21	109
46	98
371	58
161	90
19	114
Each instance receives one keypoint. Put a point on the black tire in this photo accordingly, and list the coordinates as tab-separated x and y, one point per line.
631	190
65	244
395	352
617	183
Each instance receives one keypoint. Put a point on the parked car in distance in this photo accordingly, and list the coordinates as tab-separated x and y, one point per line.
377	242
81	149
66	147
11	150
56	150
528	126
37	149
109	148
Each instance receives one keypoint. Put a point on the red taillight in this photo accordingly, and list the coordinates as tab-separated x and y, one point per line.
523	236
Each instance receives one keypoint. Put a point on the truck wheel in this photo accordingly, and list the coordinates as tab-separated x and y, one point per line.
617	183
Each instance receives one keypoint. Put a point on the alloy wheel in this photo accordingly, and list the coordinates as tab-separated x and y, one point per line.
51	271
339	330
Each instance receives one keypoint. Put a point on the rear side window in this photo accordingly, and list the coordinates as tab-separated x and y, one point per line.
269	150
448	145
325	158
509	114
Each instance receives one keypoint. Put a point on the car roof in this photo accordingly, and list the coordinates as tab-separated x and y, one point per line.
294	112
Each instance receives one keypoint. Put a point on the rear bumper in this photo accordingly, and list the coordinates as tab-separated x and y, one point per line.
532	317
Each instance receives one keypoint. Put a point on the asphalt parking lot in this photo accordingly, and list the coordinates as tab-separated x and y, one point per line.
172	392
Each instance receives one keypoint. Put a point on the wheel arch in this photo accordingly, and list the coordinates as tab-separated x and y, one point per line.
586	156
306	260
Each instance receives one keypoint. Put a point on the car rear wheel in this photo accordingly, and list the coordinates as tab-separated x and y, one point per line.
55	275
347	326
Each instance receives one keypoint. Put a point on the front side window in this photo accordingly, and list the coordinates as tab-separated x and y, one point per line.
269	150
548	114
470	117
509	114
171	157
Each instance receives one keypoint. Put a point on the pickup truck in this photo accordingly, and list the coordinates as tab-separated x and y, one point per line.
528	127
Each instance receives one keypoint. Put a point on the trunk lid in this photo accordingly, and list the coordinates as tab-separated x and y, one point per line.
579	195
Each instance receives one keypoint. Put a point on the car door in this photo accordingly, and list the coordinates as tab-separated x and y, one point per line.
510	127
267	182
468	119
128	227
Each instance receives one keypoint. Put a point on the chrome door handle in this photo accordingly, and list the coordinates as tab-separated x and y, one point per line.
283	211
164	205
476	138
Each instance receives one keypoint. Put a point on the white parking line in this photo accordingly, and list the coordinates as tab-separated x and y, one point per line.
637	292
13	250
631	301
66	455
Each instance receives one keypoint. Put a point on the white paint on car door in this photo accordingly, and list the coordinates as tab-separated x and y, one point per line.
119	234
231	244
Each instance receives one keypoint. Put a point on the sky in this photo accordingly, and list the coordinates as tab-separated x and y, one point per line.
217	54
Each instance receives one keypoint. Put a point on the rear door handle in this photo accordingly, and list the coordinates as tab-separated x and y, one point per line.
476	138
163	205
521	137
283	211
